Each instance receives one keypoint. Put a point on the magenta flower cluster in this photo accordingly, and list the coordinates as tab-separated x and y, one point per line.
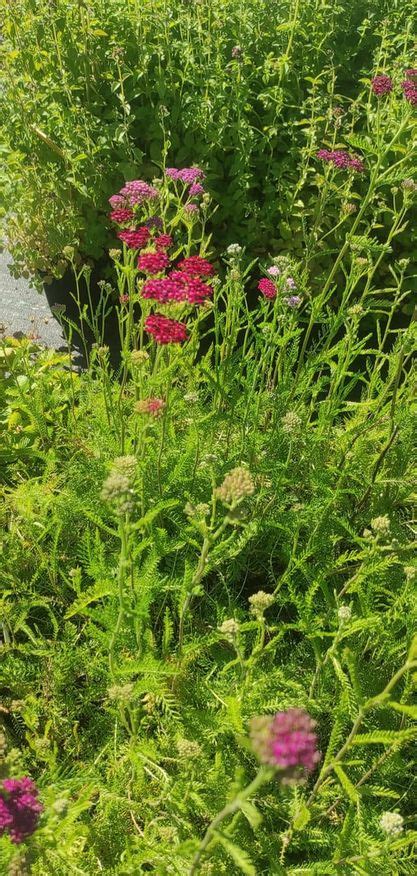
153	262
382	85
183	285
409	86
188	175
341	159
20	808
165	330
287	741
135	239
267	287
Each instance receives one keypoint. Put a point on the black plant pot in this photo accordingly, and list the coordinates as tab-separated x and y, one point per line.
63	292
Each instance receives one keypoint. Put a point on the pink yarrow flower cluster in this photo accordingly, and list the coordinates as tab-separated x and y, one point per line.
152	406
341	159
268	288
165	330
177	287
381	85
163	241
135	192
153	262
181	285
121	215
287	741
196	266
135	239
188	175
19	808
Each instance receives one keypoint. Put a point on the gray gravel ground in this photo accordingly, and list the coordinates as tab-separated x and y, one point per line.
23	309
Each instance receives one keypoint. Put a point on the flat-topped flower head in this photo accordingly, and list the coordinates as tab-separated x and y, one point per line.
187	175
381	85
195	190
392	823
165	330
137	192
121	216
154	222
409	87
153	262
341	159
273	271
268	288
293	301
196	266
152	406
163	241
286	740
237	485
135	239
20	808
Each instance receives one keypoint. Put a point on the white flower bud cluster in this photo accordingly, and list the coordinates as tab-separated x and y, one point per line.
381	525
392	823
344	614
259	602
229	628
291	422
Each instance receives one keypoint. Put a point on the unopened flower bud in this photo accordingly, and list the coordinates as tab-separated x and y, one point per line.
392	823
188	749
120	692
344	614
139	357
236	486
291	422
381	525
259	602
229	628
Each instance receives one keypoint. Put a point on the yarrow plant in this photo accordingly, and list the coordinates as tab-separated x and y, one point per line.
228	502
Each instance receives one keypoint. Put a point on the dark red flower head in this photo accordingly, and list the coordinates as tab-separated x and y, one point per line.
153	262
165	330
381	85
196	266
135	239
268	288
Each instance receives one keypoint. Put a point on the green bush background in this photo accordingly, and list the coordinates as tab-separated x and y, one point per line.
98	92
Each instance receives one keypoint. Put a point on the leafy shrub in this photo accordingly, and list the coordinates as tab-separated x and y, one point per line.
94	94
219	531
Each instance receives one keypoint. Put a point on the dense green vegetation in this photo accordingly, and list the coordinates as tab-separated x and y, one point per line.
220	529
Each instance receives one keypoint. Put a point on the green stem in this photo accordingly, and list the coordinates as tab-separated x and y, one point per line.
264	775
